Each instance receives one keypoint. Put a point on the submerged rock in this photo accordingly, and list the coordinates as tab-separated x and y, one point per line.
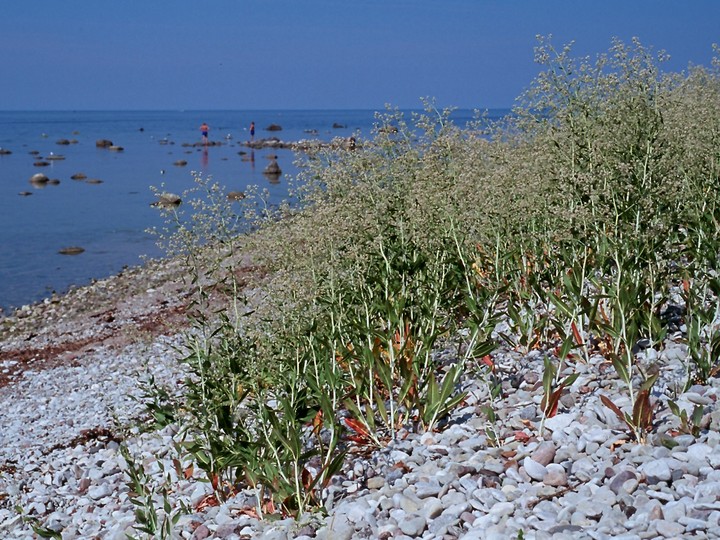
71	250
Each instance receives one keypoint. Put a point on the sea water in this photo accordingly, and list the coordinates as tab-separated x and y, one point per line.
110	220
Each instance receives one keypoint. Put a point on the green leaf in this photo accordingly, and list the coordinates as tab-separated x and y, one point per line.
381	409
620	368
567	345
570	379
561	305
433	393
697	415
548	376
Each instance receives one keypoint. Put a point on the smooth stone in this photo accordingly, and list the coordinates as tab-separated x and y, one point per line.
544	453
669	529
423	490
338	528
697	399
692	525
589	508
555	475
618	481
376	482
699	451
413	527
674	510
432	508
502	509
657	468
407	504
535	470
559	421
597	435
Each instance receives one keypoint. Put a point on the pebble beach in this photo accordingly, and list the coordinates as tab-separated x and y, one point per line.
71	394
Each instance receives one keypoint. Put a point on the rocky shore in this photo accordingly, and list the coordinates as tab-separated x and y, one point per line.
70	394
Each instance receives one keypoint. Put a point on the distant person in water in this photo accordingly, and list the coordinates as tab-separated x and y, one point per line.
252	131
204	129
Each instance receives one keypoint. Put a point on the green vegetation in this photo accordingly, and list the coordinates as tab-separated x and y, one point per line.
577	223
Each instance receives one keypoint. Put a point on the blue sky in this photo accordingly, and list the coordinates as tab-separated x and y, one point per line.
315	54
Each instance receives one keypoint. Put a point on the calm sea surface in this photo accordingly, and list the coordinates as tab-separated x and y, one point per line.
110	219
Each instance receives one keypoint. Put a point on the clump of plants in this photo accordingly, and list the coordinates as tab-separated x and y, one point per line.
572	224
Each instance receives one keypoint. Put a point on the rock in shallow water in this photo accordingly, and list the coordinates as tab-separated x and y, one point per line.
71	250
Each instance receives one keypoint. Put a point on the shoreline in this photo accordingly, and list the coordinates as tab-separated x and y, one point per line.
138	303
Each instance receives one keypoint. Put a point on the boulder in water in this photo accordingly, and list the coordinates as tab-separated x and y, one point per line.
39	179
273	169
72	250
167	200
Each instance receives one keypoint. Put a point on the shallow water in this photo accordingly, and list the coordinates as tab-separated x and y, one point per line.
110	220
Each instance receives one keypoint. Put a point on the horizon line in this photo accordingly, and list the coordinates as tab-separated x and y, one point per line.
253	110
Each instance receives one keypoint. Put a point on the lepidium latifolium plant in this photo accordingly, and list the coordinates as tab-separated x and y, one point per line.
568	222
